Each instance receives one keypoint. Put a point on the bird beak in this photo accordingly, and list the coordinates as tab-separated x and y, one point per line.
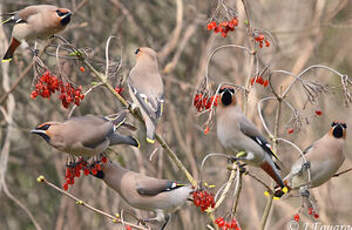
67	15
38	131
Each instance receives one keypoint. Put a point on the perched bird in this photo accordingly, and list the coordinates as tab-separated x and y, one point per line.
84	136
324	157
237	133
144	192
36	22
146	89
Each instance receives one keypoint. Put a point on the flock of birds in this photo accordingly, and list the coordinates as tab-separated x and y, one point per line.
90	135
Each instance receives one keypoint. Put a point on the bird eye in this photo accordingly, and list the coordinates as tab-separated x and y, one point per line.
333	124
137	51
59	13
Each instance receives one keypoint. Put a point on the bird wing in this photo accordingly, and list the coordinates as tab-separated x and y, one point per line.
150	101
22	16
92	130
252	132
149	186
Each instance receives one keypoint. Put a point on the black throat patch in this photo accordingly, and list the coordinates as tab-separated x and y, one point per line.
65	20
226	98
338	131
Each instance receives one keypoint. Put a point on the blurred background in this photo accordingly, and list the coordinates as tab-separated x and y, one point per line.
304	33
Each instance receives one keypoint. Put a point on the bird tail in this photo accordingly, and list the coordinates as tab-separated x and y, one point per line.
150	129
9	53
278	191
273	172
9	19
117	139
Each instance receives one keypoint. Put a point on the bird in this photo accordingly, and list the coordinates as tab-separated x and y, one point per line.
35	22
237	134
144	192
323	158
86	135
146	89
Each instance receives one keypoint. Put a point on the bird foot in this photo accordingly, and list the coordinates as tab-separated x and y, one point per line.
306	165
304	193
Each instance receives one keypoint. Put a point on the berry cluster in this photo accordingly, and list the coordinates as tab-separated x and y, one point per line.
204	102
49	84
223	27
203	199
260	39
74	170
69	95
313	213
223	225
259	80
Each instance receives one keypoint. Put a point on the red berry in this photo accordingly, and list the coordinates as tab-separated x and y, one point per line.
260	80
296	217
310	211
316	216
267	43
82	69
217	29
259	38
128	227
318	112
104	159
266	83
86	171
98	167
252	80
94	171
290	131
65	186
206	130
235	22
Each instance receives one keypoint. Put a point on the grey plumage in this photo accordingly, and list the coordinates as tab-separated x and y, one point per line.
146	89
144	192
237	133
324	157
36	22
84	136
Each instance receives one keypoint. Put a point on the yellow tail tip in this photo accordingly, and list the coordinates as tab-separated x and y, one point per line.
241	154
150	141
138	143
285	190
6	60
266	193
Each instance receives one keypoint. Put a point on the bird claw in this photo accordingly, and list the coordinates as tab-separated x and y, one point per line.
306	165
305	193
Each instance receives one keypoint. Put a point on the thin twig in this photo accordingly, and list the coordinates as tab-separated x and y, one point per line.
115	219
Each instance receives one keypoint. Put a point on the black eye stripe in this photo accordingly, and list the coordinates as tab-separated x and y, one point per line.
344	125
44	127
137	51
